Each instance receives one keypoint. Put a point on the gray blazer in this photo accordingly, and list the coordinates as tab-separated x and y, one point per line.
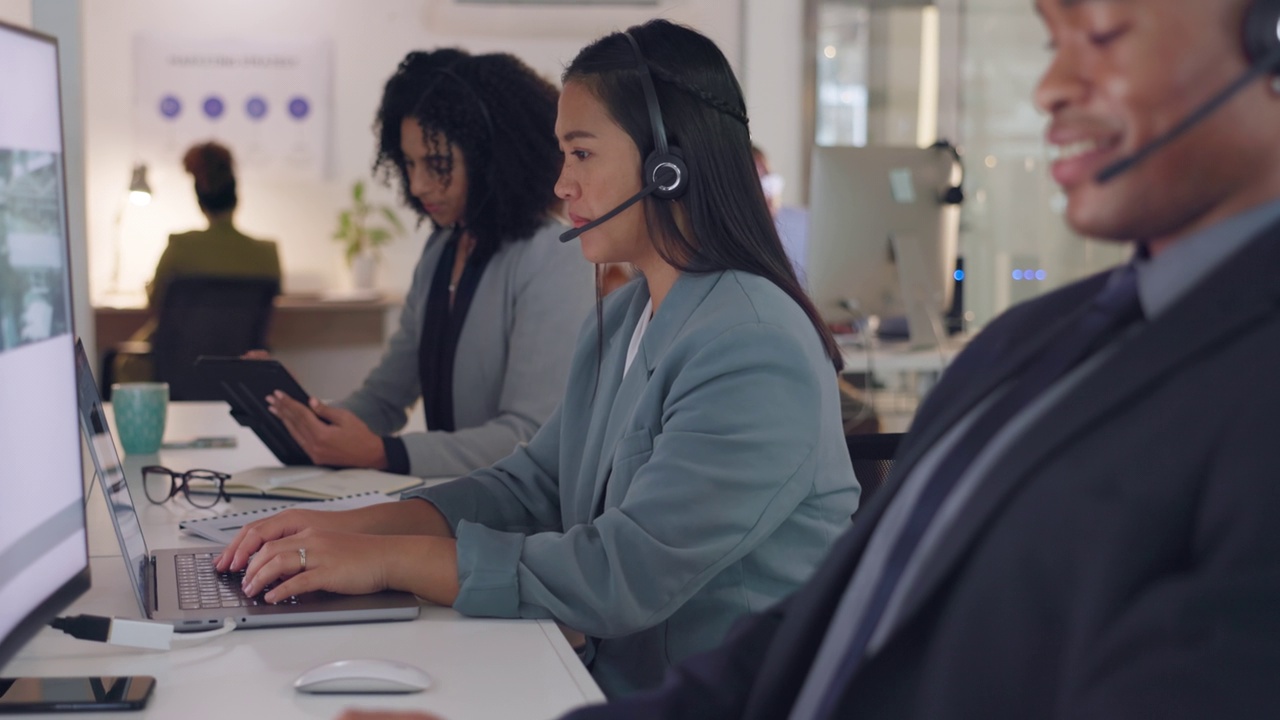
513	354
651	511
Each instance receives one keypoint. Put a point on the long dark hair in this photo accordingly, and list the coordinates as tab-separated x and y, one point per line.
500	114
705	116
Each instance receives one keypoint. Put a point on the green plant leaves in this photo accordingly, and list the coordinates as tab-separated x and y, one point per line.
355	225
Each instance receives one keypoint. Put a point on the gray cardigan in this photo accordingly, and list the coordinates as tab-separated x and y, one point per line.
512	360
651	511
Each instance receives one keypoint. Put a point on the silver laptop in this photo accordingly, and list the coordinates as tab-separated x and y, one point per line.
180	586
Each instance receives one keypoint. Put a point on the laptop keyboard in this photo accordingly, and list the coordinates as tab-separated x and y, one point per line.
201	586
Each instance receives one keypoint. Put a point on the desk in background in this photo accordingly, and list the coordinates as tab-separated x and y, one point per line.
328	344
898	376
482	668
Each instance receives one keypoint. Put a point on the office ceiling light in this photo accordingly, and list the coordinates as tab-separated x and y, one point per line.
139	190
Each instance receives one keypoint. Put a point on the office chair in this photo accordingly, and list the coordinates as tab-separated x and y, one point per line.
204	315
872	457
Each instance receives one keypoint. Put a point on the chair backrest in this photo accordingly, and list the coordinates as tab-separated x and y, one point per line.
204	315
872	457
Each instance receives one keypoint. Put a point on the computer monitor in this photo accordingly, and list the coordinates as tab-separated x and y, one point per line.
44	557
882	242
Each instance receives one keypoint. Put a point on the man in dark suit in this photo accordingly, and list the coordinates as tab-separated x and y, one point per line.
1083	520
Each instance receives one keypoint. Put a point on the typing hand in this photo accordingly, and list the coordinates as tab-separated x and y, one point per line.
310	560
252	537
329	435
342	552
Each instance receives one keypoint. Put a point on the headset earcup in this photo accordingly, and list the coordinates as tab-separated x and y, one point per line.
659	167
1262	30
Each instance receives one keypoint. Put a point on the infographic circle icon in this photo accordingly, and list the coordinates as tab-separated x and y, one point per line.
170	107
213	107
299	108
256	107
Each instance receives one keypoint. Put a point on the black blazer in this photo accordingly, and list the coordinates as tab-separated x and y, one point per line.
1122	560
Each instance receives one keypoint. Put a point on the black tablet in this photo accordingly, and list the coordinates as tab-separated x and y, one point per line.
245	385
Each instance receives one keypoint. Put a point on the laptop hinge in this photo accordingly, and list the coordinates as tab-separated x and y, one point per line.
153	592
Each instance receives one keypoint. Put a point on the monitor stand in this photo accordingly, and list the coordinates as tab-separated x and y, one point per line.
923	290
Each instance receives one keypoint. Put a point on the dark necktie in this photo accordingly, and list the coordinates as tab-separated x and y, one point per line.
1115	308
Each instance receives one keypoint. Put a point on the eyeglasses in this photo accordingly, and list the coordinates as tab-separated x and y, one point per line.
202	488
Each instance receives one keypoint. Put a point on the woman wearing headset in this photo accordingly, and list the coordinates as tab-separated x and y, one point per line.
696	470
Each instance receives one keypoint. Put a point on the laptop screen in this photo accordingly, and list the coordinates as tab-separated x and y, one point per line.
106	461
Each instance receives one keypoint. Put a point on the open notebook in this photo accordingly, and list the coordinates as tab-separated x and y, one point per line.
308	482
222	529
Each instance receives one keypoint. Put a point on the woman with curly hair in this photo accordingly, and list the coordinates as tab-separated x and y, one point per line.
487	328
696	470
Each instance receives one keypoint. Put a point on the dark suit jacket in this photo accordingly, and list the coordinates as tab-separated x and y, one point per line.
1122	560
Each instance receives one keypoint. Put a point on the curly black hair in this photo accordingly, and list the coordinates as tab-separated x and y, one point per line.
500	114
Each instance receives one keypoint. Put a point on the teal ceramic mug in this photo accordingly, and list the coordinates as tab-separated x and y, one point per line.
141	409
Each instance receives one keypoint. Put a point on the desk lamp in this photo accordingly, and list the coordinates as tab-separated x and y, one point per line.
140	195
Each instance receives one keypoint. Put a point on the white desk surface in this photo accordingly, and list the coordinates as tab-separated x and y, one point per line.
482	668
886	357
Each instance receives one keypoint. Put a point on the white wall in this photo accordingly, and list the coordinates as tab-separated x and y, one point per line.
369	39
772	75
16	12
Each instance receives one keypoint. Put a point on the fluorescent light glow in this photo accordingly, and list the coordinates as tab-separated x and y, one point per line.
927	115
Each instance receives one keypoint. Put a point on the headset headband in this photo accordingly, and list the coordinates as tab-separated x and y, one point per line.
650	97
466	86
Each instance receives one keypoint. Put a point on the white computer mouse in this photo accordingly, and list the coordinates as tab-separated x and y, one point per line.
364	675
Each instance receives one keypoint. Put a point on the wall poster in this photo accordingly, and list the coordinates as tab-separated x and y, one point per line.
268	101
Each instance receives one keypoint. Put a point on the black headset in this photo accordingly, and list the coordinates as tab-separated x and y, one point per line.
954	194
447	72
665	167
1262	31
1261	39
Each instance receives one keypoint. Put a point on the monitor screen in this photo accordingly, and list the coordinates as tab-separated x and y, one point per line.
44	559
881	241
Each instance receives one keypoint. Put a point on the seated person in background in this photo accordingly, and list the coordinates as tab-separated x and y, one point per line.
792	222
696	469
221	250
487	329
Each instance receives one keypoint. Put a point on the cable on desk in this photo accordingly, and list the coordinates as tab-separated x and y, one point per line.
862	323
88	492
134	633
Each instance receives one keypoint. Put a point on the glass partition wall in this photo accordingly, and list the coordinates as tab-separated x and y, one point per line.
907	72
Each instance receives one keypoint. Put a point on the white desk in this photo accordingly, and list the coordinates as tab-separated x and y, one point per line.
885	357
902	375
482	668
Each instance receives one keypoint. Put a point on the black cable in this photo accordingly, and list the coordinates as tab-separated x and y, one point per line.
84	627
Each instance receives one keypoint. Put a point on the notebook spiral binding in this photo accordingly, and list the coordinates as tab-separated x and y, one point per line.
184	524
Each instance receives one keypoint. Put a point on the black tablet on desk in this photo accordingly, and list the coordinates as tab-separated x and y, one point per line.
245	385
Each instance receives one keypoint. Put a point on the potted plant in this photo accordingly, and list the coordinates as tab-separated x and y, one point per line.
362	229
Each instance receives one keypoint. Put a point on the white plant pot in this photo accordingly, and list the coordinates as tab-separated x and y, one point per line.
363	269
